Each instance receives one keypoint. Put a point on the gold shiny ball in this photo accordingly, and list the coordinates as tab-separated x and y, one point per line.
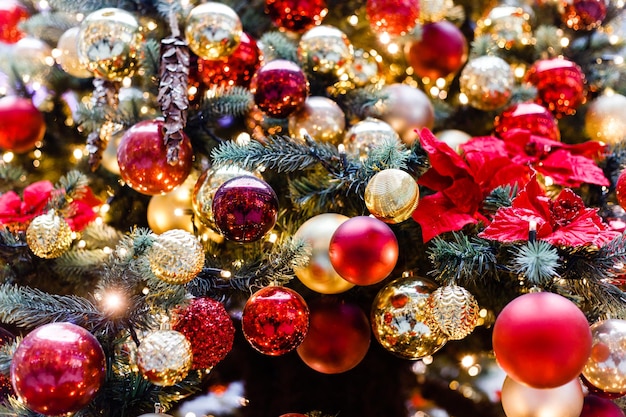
406	109
487	82
319	274
321	118
605	367
367	134
164	357
391	195
401	319
364	69
507	25
605	120
213	30
454	138
176	257
455	310
434	10
67	56
109	43
172	210
48	235
325	50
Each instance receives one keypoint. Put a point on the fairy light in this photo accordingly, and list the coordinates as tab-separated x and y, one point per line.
8	157
353	20
225	274
81	244
463	99
107	250
427	359
243	139
384	38
467	361
77	153
393	48
127	82
113	302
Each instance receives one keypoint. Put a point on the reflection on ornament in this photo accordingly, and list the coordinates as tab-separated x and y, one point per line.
12	13
176	257
367	134
454	138
48	235
213	30
560	85
406	109
487	82
172	210
519	400
22	125
321	118
296	15
583	14
109	43
455	310
530	116
392	195
164	357
364	69
67	55
507	25
605	119
605	367
395	17
279	88
401	319
325	50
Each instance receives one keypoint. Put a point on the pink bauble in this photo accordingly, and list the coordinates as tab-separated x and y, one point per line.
279	88
530	116
21	124
395	17
542	340
12	13
595	406
296	15
583	14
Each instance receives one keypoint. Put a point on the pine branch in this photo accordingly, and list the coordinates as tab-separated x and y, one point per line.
48	26
88	6
150	59
232	101
523	93
388	153
547	42
484	45
11	177
499	197
6	355
100	235
537	262
279	46
76	263
16	408
359	103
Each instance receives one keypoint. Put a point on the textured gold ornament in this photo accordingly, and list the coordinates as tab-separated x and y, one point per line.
507	25
213	30
392	195
48	235
176	257
605	119
327	50
321	118
455	310
164	357
487	82
366	134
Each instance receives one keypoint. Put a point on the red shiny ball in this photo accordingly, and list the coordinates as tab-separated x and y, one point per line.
441	51
395	17
58	368
530	116
583	14
279	87
542	340
209	328
21	124
594	406
275	320
560	85
338	338
234	69
142	158
245	208
620	189
296	15
363	250
12	13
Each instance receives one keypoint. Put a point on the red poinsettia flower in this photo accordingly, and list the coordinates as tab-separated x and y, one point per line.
461	184
564	221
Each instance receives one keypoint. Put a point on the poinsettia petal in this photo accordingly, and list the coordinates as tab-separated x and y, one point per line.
586	229
82	213
442	157
465	194
512	224
436	214
435	181
571	170
35	196
533	198
10	204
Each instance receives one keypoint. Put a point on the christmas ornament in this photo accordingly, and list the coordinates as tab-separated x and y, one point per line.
363	250
519	400
319	274
434	10
560	85
279	88
67	54
293	415
530	116
6	388
406	109
325	50
605	119
31	61
583	14
487	82
109	43
275	320
109	156
48	235
22	125
213	30
508	25
594	406
365	69
392	17
542	340
401	319
604	368
57	369
455	310
176	257
321	118
620	189
234	69
338	338
12	13
296	15
367	134
142	158
245	208
454	138
439	52
164	357
391	195
208	327
593	390
172	210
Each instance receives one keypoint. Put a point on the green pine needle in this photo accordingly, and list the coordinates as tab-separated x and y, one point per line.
537	262
279	46
233	101
501	196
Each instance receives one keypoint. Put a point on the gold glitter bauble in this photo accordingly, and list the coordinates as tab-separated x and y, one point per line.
366	134
48	235
319	274
213	30
172	210
507	25
67	57
401	319
406	109
109	43
434	10
325	50
164	357
176	257
321	118
487	82
605	119
455	310
392	195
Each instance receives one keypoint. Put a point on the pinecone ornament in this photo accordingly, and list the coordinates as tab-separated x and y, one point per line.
455	310
48	235
176	257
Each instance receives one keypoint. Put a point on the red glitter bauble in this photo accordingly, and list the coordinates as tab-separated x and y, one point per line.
594	406
363	250
279	88
583	14
560	85
208	327
296	15
338	338
245	208
58	368
620	189
530	116
234	69
441	50
275	320
11	14
21	124
395	17
142	158
542	340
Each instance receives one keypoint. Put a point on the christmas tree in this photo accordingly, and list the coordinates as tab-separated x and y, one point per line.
312	208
